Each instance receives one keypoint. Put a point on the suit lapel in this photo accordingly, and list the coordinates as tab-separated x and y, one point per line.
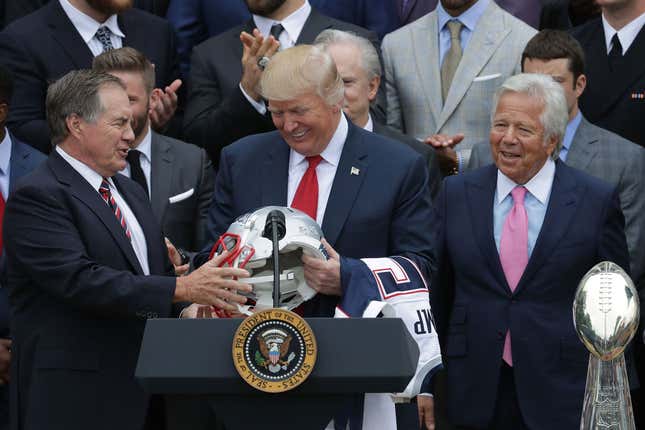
90	197
275	174
483	44
67	36
346	185
425	45
481	198
314	25
142	214
563	203
582	149
19	163
161	174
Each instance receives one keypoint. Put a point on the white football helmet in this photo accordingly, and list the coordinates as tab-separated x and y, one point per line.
249	249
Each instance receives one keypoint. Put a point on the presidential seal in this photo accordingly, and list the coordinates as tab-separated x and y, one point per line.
274	350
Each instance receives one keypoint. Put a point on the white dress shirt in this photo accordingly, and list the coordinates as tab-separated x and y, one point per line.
138	239
145	159
5	165
626	35
325	171
87	26
293	25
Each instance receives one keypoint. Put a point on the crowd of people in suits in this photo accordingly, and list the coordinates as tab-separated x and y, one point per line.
496	144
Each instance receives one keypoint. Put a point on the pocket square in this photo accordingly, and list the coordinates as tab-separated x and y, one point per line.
182	196
487	77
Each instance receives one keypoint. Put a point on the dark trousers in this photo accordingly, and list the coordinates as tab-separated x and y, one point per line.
507	414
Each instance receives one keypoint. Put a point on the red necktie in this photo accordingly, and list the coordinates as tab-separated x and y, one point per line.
1	220
105	192
306	197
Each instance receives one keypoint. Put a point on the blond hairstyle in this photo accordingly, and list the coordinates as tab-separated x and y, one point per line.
301	69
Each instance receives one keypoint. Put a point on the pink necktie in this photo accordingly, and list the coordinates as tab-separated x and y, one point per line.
514	251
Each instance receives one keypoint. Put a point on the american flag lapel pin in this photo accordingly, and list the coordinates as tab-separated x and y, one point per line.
354	171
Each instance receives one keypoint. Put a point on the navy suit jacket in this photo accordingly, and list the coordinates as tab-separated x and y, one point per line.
79	301
44	45
383	210
583	226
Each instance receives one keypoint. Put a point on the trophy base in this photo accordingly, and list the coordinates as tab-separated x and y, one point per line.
607	403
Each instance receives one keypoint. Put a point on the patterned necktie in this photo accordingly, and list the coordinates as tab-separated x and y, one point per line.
103	36
306	197
105	192
616	53
136	172
452	58
514	251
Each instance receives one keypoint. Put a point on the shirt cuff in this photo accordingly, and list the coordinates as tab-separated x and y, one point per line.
258	106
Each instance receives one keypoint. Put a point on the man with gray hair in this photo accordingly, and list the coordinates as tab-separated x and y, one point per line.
367	192
360	68
503	291
87	265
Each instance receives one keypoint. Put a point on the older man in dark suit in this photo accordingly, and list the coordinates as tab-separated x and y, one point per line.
224	103
87	265
65	35
535	227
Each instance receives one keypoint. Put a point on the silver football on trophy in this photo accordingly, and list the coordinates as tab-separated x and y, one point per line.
606	310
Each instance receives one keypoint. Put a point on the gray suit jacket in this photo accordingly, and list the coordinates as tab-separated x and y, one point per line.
182	182
413	79
615	160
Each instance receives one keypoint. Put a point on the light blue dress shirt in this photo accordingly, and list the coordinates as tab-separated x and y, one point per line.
572	127
536	202
5	165
469	20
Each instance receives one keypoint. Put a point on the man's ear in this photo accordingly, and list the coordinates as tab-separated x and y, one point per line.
74	125
373	86
580	85
4	113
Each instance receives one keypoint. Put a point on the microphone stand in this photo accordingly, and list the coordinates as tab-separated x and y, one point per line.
275	229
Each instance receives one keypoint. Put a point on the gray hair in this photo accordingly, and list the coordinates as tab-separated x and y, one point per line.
75	93
298	70
543	88
369	57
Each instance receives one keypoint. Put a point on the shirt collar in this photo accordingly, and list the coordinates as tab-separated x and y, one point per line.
292	24
469	18
570	131
93	178
5	152
334	149
369	126
145	147
86	25
626	35
539	185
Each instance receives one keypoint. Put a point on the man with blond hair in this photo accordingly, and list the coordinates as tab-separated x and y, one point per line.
368	193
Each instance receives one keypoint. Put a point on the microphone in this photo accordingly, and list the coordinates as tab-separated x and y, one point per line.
275	229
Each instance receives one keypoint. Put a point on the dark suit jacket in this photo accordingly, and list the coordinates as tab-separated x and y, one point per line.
196	20
43	46
379	16
79	302
583	226
217	113
183	173
23	160
614	100
434	174
384	210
